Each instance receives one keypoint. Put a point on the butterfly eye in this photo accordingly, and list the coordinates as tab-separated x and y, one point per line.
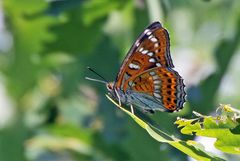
109	86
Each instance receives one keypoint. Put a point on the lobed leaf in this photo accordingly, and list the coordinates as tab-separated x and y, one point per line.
224	128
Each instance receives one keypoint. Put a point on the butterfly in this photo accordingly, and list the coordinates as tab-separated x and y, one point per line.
146	78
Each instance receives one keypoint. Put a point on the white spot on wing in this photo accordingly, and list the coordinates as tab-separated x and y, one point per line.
152	73
149	33
150	54
137	44
146	31
156	45
156	87
157	95
153	39
141	49
158	64
155	77
151	36
152	60
134	66
130	83
144	51
157	82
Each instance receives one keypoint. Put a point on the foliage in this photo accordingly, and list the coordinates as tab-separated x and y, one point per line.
50	112
190	147
225	128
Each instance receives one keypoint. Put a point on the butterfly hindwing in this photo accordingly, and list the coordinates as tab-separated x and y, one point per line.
163	84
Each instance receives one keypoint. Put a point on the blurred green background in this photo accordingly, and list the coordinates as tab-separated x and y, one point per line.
49	112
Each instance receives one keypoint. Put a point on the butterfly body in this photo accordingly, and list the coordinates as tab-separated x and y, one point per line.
146	78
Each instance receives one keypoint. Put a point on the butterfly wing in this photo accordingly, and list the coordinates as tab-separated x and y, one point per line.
146	75
163	88
150	50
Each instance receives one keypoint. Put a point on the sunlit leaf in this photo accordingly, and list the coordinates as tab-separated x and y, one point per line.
191	148
224	129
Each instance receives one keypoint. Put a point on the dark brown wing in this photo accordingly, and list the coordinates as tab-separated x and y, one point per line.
150	50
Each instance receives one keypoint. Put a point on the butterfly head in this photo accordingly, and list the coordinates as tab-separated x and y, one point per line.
110	88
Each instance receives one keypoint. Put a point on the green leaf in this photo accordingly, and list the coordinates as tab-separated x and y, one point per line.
190	147
224	128
29	24
30	28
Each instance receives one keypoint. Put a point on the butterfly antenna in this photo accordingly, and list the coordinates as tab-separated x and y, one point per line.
96	80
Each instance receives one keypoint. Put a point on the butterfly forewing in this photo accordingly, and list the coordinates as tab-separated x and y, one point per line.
150	50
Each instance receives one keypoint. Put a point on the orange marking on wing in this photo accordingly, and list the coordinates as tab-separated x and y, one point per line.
145	81
139	59
163	47
168	89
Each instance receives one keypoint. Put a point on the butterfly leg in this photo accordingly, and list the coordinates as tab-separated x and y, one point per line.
132	111
119	100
